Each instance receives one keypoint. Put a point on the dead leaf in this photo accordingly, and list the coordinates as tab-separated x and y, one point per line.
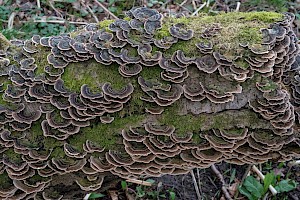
129	196
113	194
233	188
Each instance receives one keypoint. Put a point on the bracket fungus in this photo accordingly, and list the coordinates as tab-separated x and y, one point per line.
144	96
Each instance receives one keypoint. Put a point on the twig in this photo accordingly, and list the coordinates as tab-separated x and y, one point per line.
56	21
38	3
195	184
57	12
106	10
90	10
238	4
243	179
87	196
207	3
194	4
139	182
293	163
212	182
262	177
199	182
266	196
182	3
180	6
220	176
164	4
196	12
11	18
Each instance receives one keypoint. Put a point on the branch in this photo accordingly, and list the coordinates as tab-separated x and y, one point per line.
220	176
262	177
106	10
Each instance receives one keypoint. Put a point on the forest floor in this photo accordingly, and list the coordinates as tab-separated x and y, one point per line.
23	18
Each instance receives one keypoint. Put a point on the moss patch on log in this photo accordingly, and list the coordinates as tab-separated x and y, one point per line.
235	28
105	135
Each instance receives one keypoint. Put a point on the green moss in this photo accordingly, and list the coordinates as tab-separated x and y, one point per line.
236	27
4	43
151	73
5	181
241	63
36	138
58	152
269	84
105	23
5	83
35	179
195	123
105	135
41	60
235	132
182	123
249	34
132	52
196	139
13	156
93	74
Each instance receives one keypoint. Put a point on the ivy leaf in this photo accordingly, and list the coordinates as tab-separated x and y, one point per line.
269	180
245	192
286	185
254	186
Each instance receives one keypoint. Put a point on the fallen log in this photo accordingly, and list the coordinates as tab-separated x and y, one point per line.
146	95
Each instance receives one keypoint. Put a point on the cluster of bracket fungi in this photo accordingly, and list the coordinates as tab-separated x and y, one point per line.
150	148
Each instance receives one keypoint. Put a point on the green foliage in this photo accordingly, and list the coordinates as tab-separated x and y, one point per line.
96	195
270	179
254	190
124	185
146	192
253	187
286	185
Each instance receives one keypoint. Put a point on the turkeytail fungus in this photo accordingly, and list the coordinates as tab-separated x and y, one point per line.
144	96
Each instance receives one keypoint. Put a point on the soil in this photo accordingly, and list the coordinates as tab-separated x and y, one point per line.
184	189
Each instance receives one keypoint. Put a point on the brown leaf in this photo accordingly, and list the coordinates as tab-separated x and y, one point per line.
233	188
113	194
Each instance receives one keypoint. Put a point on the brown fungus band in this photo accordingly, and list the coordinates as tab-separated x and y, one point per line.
145	96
